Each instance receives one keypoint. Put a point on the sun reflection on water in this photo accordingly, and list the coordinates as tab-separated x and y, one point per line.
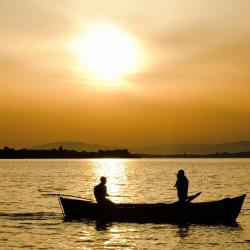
116	172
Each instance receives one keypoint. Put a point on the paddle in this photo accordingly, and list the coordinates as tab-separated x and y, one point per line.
192	197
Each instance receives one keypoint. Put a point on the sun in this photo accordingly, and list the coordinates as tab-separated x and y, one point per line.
107	51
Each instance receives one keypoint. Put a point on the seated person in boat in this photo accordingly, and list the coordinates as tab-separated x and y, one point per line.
182	186
100	192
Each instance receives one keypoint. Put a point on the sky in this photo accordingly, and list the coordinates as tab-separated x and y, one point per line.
189	83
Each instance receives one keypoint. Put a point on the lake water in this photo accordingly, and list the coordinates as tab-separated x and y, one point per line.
30	216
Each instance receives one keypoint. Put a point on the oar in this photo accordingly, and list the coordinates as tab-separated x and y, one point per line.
73	196
192	197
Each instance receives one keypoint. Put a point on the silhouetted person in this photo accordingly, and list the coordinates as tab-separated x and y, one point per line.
100	192
182	186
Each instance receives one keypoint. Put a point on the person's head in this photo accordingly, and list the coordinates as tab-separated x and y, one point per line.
180	173
103	180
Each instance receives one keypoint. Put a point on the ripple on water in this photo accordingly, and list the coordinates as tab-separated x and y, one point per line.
30	215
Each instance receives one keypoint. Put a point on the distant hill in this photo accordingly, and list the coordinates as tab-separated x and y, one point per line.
171	149
78	146
233	147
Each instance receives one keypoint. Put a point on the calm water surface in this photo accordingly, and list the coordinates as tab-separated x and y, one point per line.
30	216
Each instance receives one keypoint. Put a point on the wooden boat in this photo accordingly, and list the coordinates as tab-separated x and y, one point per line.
223	211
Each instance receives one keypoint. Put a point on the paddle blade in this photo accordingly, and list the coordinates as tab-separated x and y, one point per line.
192	197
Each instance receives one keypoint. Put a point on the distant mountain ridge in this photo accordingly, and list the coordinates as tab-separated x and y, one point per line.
171	149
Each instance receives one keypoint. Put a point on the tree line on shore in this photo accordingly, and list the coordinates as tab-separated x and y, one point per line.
11	153
214	155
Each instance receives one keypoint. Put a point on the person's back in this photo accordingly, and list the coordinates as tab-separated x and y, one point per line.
100	192
182	186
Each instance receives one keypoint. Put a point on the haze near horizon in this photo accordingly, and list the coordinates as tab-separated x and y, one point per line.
124	72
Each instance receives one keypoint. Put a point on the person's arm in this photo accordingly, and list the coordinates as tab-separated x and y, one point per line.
176	183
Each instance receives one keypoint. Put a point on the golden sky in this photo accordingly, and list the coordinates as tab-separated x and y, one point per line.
189	83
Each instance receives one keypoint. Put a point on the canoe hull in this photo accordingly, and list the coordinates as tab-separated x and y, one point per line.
222	211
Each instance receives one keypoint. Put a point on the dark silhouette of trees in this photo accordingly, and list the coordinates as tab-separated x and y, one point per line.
215	155
10	153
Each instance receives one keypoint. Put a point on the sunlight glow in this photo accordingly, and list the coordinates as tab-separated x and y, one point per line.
115	171
107	52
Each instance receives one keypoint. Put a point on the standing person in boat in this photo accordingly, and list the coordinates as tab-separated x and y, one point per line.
182	186
100	192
